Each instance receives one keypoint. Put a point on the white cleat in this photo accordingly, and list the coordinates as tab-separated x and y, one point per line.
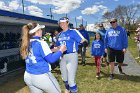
67	91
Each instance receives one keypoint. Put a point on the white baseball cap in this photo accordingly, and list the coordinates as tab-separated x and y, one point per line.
36	28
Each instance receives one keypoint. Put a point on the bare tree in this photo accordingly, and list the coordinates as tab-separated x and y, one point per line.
125	14
107	15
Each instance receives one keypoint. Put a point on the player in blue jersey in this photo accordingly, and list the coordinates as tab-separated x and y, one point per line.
69	62
117	42
97	51
38	57
82	46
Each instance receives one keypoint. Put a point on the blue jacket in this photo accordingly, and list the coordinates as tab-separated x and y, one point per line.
85	34
116	38
102	32
97	48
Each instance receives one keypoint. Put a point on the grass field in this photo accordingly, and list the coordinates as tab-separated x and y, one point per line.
86	80
133	48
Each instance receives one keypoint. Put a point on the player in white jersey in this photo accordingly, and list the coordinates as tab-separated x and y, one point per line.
38	57
69	62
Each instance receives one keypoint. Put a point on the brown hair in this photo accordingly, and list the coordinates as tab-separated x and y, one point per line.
25	39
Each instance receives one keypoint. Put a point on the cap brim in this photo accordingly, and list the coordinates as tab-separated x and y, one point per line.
36	28
62	21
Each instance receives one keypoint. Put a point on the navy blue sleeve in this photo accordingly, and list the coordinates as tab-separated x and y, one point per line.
87	37
91	50
53	57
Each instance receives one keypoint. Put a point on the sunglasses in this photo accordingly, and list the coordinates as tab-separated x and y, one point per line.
112	22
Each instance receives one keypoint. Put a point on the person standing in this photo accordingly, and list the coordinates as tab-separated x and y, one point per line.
97	51
102	31
116	42
38	57
82	46
69	61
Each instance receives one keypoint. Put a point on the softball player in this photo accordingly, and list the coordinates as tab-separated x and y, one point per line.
69	61
38	57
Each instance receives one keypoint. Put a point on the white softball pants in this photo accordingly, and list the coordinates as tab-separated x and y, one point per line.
42	83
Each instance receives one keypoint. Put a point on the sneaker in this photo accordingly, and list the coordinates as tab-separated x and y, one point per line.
67	91
120	70
137	57
98	75
111	77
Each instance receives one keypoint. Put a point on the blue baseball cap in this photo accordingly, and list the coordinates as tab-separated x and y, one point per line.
63	19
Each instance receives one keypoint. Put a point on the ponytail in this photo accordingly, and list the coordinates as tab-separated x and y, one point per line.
24	49
25	42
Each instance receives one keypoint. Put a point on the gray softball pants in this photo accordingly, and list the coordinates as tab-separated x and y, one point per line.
68	68
42	83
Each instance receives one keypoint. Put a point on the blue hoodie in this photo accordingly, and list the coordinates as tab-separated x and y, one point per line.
97	48
116	38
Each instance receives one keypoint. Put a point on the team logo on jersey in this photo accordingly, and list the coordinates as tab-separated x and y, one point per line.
97	45
114	33
64	38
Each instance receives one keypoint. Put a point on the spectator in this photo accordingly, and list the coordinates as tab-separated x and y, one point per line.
116	42
102	31
82	46
97	51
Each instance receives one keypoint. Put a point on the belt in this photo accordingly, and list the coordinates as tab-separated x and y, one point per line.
69	52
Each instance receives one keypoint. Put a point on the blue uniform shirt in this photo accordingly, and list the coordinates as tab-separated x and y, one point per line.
39	53
116	38
97	48
71	39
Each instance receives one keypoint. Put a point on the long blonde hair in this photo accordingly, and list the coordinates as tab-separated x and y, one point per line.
25	39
